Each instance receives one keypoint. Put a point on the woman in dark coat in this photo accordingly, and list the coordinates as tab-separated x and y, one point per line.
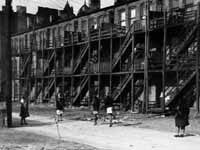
182	120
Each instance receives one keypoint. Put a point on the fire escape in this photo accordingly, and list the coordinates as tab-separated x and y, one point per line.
180	63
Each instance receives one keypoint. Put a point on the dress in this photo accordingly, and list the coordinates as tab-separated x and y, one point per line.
182	117
59	106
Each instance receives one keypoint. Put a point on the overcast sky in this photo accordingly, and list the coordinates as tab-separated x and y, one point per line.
59	4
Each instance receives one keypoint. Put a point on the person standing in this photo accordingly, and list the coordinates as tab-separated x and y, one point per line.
96	106
59	106
23	111
109	107
181	120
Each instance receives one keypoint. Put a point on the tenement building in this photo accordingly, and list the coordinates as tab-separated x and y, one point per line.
142	52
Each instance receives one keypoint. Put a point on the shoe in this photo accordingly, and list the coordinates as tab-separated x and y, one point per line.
182	135
177	135
110	125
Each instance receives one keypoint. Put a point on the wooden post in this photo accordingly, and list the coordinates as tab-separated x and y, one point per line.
164	61
63	65
72	77
8	63
55	69
111	53
89	58
99	61
146	77
132	70
197	59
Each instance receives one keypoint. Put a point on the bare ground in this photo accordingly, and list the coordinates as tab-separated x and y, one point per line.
148	121
12	139
15	140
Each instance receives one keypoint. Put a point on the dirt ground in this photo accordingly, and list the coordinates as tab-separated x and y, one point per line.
148	121
12	139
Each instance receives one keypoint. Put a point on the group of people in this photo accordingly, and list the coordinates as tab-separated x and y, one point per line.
181	115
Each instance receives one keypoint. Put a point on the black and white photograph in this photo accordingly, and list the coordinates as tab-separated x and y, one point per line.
99	74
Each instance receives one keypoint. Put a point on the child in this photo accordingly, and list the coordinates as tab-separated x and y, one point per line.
23	111
59	107
109	107
96	105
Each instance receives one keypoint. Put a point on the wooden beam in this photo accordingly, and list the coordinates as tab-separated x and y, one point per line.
197	59
146	73
132	71
164	61
7	67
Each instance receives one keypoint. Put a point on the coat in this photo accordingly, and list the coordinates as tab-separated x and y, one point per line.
23	110
182	117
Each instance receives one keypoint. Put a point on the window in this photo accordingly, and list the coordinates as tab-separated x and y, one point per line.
132	15
76	25
84	26
101	19
122	18
189	2
142	11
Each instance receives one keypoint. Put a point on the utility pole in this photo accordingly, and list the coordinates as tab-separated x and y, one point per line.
7	67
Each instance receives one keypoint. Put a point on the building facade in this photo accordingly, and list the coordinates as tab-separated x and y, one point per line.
144	53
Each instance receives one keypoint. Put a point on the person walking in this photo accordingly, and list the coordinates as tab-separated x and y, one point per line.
181	120
109	107
59	107
23	111
96	107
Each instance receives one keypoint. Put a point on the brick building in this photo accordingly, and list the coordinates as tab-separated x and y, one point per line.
144	53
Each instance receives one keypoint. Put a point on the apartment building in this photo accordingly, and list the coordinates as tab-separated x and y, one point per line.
143	52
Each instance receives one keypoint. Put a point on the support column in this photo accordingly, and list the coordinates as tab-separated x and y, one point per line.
99	61
198	59
89	58
146	74
132	71
111	53
7	67
164	62
72	77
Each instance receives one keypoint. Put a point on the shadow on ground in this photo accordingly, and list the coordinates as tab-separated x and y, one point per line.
30	123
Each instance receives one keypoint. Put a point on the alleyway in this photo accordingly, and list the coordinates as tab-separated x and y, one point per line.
115	138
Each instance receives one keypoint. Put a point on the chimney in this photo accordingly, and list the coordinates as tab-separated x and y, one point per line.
94	4
21	9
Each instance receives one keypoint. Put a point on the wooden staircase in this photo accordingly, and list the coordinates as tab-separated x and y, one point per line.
80	57
79	89
123	47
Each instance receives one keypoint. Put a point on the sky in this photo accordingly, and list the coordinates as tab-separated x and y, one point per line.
58	4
